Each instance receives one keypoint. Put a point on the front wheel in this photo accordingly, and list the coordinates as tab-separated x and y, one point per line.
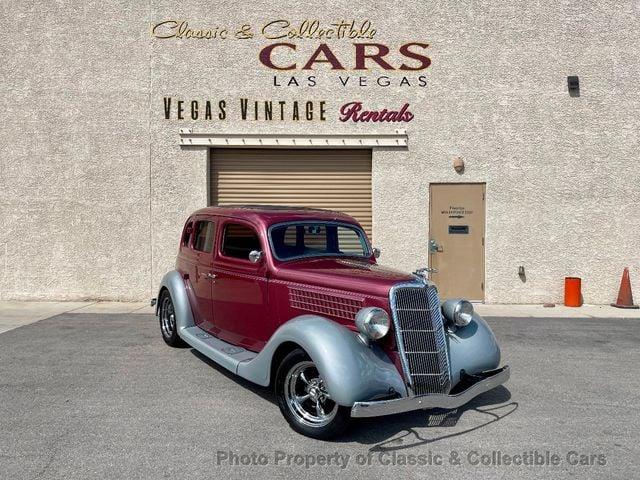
304	400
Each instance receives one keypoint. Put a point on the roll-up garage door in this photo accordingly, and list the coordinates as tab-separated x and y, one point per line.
332	179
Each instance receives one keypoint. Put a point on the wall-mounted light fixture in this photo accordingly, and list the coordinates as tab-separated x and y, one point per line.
522	274
458	164
573	84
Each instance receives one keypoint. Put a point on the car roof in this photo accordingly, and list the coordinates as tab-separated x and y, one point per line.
270	214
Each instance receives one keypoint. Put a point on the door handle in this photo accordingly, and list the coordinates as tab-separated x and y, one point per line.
434	246
209	276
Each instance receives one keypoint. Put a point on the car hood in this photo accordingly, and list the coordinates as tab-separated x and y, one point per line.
343	274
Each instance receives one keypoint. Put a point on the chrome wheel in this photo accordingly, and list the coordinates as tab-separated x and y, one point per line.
307	397
167	317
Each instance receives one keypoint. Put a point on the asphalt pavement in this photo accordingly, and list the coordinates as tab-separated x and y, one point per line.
89	395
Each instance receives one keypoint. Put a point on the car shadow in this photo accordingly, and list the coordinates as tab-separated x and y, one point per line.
264	392
398	432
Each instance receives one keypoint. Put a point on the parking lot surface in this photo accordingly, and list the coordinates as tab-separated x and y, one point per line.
89	395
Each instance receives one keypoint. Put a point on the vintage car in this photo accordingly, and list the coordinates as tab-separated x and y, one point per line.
293	298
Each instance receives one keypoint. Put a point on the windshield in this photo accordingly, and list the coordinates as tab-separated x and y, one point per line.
315	239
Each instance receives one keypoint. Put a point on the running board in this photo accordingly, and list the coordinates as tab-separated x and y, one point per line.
225	354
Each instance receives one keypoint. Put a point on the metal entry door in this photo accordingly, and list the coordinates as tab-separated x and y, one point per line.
456	244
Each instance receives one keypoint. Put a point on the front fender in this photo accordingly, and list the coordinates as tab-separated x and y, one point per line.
352	371
473	349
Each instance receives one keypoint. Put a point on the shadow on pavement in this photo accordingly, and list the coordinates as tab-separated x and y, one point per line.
398	432
263	392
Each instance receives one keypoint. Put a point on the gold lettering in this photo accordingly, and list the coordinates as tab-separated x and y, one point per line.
171	24
181	30
280	25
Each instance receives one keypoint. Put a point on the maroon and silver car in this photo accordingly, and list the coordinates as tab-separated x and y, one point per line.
294	298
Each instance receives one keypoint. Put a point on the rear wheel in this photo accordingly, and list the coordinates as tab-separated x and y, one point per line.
167	317
304	401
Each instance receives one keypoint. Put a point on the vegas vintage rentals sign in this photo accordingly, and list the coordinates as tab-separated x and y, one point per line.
369	64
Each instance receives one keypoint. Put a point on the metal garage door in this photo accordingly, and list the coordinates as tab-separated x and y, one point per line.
333	179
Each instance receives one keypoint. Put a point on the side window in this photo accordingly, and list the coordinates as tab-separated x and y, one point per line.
204	233
186	236
239	240
290	236
349	242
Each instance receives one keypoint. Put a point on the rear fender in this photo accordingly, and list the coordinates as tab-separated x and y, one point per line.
180	292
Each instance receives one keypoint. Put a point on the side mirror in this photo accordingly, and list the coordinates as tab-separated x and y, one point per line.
376	252
255	256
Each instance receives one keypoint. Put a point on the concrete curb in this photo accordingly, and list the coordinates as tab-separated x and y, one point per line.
559	311
15	314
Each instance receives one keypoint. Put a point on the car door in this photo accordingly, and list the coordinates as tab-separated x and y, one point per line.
203	243
240	289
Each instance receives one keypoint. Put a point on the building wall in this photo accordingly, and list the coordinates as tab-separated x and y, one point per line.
74	180
562	190
95	187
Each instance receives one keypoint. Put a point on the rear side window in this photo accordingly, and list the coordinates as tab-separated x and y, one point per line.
186	236
203	236
239	240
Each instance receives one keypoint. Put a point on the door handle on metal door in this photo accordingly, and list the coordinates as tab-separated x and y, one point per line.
209	276
434	247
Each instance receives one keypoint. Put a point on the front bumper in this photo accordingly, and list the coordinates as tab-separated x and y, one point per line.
407	404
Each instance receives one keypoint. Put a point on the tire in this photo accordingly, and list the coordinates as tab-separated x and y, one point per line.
299	390
167	319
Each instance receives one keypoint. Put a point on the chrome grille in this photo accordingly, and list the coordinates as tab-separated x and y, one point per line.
421	338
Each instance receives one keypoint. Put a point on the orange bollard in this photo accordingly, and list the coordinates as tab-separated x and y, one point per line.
625	297
572	292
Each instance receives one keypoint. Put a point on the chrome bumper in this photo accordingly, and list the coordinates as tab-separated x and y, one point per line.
407	404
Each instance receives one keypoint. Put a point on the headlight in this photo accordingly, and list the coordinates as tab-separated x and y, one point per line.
463	313
459	312
373	322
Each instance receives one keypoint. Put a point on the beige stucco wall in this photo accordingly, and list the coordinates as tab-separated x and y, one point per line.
74	150
94	186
